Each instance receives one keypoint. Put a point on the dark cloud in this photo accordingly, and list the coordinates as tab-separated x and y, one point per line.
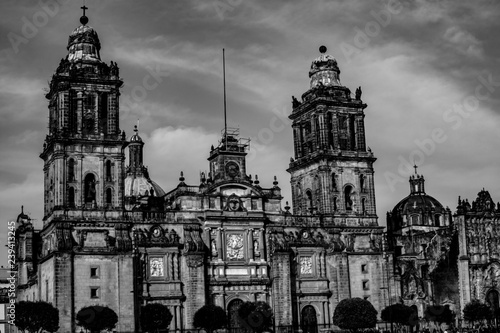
416	69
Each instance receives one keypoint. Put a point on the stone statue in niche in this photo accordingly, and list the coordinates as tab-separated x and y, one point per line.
256	250
213	247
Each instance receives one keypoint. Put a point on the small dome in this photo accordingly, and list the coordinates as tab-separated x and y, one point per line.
84	45
138	186
135	137
324	70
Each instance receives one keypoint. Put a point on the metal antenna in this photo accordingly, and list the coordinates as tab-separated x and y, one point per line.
224	80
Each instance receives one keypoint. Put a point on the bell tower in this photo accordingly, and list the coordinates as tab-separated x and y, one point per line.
332	171
83	151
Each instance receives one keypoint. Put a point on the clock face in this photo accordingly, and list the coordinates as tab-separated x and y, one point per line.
232	169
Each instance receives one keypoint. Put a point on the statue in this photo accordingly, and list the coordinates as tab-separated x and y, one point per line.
358	94
295	102
348	93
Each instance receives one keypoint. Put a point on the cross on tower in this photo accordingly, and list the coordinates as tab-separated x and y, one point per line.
84	8
415	167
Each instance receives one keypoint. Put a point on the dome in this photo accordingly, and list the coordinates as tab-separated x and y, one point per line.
135	137
416	204
84	45
138	186
417	209
324	70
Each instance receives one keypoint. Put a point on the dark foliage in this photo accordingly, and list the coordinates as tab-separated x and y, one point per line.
96	318
398	314
154	317
354	314
476	311
255	316
210	317
439	314
36	316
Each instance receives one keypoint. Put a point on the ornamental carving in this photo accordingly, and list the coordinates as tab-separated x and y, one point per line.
235	247
305	265
194	261
156	267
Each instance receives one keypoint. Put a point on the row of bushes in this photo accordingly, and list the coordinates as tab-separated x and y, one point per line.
351	313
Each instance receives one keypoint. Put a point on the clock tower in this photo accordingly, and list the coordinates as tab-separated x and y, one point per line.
227	161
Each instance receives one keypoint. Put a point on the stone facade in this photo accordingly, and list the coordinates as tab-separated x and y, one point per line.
478	227
111	236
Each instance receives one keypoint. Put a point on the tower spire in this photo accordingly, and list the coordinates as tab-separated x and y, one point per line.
224	82
84	19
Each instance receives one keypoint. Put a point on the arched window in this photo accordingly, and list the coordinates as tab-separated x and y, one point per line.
437	217
71	170
334	181
334	203
109	196
309	201
363	205
109	170
71	197
348	198
90	188
414	220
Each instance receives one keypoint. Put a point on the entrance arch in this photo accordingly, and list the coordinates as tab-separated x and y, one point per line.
492	299
309	319
232	314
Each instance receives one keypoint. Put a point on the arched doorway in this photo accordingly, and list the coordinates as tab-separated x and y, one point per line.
492	299
232	315
309	319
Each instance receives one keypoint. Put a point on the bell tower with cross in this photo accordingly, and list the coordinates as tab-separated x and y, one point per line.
83	151
332	168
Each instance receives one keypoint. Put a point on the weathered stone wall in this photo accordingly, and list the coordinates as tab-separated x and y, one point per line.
281	288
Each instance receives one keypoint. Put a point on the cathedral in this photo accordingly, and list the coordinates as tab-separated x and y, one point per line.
112	236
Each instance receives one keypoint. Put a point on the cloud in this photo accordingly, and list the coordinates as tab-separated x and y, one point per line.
464	42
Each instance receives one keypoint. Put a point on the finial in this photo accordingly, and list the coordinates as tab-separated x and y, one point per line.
84	19
181	178
322	49
287	207
275	183
135	129
256	181
22	209
415	167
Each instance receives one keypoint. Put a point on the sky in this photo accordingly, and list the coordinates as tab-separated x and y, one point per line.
429	72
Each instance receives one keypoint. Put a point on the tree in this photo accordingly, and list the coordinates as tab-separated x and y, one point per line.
154	317
210	317
96	318
354	314
439	314
397	313
475	311
255	316
36	317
